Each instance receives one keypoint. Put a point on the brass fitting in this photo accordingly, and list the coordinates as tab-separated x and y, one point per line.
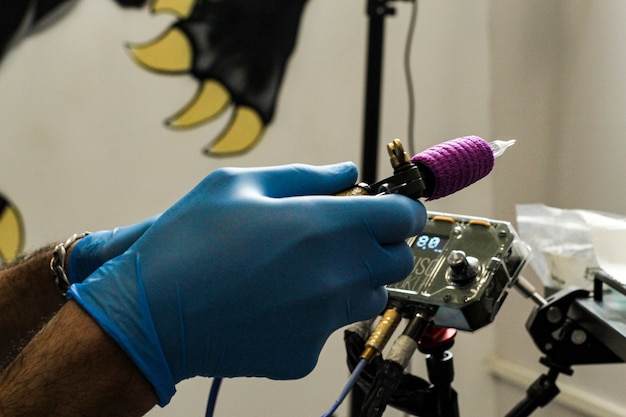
381	334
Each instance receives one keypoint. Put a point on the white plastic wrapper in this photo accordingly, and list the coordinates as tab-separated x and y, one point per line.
570	245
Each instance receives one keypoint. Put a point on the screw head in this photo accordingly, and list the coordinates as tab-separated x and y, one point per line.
554	315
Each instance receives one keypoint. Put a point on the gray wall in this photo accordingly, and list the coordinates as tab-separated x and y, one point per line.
558	71
84	147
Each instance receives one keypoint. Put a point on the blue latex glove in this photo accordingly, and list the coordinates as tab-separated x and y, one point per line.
90	252
250	273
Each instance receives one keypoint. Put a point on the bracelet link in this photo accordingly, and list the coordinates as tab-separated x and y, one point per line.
57	263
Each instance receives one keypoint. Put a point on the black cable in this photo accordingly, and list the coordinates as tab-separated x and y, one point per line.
409	79
389	376
385	381
413	396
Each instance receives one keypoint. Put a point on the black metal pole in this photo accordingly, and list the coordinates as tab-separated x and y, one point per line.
539	394
376	11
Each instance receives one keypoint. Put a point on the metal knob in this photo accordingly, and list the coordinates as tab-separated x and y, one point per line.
463	269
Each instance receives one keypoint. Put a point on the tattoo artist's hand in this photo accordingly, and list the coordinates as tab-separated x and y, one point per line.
90	252
250	273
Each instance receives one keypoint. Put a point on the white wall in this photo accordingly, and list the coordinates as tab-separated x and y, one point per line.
558	86
83	146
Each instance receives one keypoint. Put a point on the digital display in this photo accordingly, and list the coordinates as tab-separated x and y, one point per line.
432	243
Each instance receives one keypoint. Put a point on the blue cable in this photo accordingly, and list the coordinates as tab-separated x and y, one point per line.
215	389
346	390
217	382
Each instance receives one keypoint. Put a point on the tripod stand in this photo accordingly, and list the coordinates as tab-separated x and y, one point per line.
570	329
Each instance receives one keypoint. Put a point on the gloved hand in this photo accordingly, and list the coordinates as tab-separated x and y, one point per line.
90	252
249	274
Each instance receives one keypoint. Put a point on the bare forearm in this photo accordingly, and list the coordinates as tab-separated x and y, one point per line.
73	368
28	298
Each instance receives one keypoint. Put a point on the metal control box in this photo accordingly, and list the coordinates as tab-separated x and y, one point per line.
464	267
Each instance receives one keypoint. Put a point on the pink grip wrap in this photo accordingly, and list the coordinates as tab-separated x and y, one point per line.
457	163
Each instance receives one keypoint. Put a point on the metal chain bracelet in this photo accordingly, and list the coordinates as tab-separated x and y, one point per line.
57	263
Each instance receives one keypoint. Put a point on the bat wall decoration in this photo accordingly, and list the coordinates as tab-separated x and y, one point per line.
237	50
11	231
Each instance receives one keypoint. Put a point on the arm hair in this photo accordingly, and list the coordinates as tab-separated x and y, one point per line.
73	368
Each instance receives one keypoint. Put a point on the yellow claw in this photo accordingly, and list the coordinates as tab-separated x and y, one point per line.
171	52
211	99
181	8
11	234
241	134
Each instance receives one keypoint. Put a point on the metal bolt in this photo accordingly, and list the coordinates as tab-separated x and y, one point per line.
554	315
578	337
